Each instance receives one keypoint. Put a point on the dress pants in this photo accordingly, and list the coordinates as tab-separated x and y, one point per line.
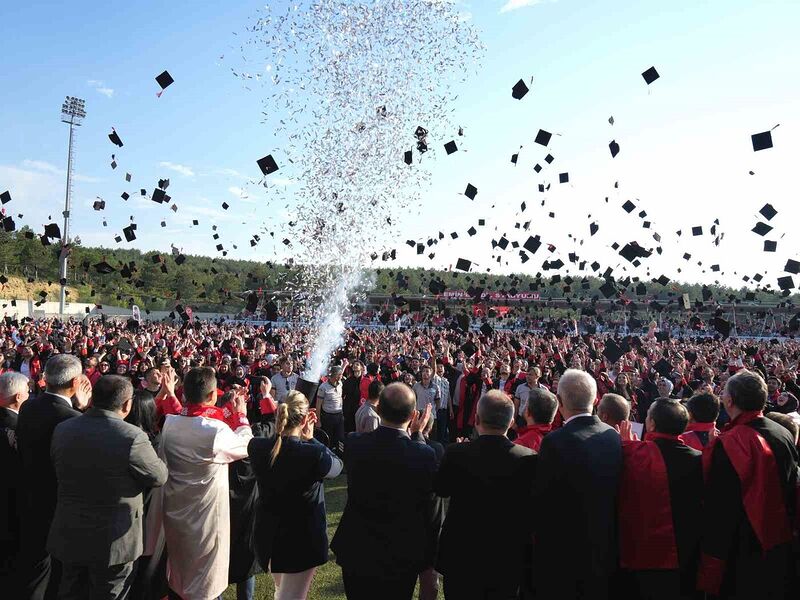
464	587
96	581
362	587
442	422
41	577
333	425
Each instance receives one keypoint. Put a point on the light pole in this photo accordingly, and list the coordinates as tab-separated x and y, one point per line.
73	112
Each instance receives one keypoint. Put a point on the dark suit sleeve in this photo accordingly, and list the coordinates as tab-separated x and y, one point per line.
444	483
145	465
548	469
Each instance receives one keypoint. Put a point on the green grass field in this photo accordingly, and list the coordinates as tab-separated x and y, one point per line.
328	580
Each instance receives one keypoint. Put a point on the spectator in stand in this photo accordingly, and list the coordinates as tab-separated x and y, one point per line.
329	404
103	465
284	381
773	392
750	500
577	479
444	408
38	419
665	387
540	411
613	409
624	389
703	413
351	395
389	497
13	394
427	392
367	417
477	558
521	393
291	535
197	446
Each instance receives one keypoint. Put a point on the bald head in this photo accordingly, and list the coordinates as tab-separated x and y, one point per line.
495	412
397	404
577	391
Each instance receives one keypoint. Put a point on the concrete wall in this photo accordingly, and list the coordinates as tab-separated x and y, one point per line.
26	308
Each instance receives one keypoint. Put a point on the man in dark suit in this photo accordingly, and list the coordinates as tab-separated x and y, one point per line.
577	476
479	556
13	393
103	465
38	419
381	539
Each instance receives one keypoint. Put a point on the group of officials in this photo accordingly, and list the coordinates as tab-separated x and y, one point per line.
595	514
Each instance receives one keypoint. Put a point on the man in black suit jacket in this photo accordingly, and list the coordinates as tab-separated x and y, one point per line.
37	421
481	553
13	393
380	542
577	476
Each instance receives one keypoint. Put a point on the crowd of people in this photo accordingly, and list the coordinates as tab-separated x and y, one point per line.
150	460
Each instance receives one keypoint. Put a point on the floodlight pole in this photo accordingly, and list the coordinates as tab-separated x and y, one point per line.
72	113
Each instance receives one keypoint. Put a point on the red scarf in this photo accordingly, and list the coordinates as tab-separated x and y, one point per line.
646	532
226	414
691	439
531	436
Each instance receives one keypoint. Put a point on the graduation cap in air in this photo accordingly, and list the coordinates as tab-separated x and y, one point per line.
159	196
786	282
51	230
414	305
519	90
650	75
612	351
543	138
114	137
761	141
631	251
9	224
697	230
563	178
129	232
99	204
180	259
761	228
770	246
487	329
5	197
662	367
450	147
662	280
532	244
225	206
514	158
104	268
614	147
164	80
163	184
722	326
462	264
792	266
407	157
768	211
593	228
608	289
471	191
267	164
472	231
628	206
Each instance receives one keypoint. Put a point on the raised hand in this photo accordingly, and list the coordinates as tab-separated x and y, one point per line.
83	395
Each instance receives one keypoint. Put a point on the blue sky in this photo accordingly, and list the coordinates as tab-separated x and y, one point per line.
728	70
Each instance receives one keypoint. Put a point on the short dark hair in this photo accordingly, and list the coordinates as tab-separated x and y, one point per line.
747	390
111	392
397	403
373	368
542	406
143	411
375	389
198	384
704	408
669	416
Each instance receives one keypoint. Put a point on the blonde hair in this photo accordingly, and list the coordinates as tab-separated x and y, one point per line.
290	414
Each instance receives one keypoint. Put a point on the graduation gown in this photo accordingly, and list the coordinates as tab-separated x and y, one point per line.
243	499
659	509
750	501
193	507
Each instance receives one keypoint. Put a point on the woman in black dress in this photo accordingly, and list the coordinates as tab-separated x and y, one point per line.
291	529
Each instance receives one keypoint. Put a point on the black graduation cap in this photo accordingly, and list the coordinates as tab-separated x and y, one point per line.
159	195
631	251
115	138
532	244
125	195
608	289
549	159
786	282
9	224
487	329
563	177
543	138
5	197
414	305
761	141
104	268
450	147
225	206
130	235
267	164
768	211
614	147
612	351
722	326
471	191
663	280
770	246
180	259
593	228
641	289
468	347
407	157
792	266
519	90
472	231
707	295
164	80
99	204
663	367
628	206
537	167
761	228
51	230
514	158
697	230
463	264
650	75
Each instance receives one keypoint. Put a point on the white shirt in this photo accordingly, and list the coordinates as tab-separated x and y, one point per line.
64	398
283	385
576	416
522	396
